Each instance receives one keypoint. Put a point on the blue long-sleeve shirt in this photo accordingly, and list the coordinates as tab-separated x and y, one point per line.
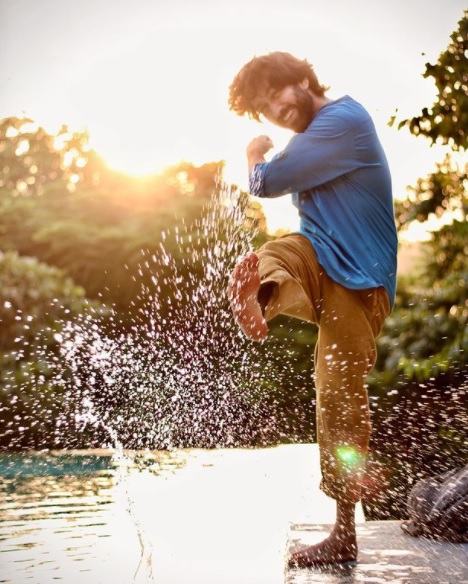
340	182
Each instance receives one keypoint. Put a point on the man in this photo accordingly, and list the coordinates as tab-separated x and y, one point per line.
338	271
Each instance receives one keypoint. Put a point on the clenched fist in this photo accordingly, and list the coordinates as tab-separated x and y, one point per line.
259	146
257	149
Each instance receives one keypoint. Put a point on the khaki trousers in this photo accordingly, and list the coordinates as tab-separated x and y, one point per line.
349	322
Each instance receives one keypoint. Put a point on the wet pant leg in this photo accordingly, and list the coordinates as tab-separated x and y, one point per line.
349	322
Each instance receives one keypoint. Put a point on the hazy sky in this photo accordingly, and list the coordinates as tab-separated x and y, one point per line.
149	78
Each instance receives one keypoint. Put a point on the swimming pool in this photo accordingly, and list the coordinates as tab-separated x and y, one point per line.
181	517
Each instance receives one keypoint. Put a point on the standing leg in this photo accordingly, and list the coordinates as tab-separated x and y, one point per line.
350	322
339	547
345	353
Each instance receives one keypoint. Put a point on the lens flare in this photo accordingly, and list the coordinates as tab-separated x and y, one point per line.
348	455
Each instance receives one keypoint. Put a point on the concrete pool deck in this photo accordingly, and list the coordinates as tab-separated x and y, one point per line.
386	555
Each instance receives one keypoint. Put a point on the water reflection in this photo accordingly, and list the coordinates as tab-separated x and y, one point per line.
181	517
54	514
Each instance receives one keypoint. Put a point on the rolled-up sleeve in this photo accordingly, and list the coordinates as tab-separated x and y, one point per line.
257	180
318	155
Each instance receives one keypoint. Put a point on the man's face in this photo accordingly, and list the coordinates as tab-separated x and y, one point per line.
291	107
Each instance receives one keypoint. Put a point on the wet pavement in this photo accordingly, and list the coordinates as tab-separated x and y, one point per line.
386	555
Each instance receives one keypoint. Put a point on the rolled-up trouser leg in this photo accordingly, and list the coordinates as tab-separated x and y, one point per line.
289	267
349	322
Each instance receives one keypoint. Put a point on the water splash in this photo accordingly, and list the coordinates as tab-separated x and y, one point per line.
182	375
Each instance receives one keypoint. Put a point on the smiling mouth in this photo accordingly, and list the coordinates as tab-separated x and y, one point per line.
286	117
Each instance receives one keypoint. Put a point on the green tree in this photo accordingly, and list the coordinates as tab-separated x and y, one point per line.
36	301
60	203
446	121
420	425
427	334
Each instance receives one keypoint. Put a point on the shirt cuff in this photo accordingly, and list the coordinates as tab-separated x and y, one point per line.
257	180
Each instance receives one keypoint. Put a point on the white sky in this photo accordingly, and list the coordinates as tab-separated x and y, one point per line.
149	78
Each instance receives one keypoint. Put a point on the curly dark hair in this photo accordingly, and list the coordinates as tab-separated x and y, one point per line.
275	70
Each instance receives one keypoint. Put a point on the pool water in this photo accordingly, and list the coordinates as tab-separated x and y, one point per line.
181	517
58	515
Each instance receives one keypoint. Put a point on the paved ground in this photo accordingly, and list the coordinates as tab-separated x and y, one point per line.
386	555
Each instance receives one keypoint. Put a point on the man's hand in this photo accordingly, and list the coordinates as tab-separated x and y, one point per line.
257	149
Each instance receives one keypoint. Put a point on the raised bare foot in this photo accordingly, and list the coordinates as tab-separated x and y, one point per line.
243	296
339	547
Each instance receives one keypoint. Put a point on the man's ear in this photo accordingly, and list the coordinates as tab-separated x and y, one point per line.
304	84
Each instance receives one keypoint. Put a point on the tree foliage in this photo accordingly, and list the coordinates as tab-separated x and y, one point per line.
446	121
36	301
441	195
60	203
420	424
427	333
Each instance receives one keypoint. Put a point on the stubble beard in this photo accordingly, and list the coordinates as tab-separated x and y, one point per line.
305	110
